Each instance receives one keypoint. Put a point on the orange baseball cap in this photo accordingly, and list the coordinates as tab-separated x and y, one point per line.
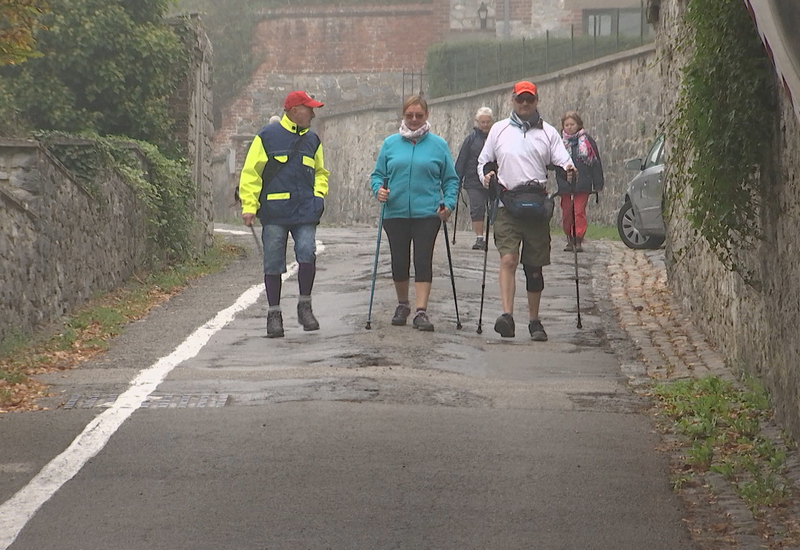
525	87
299	98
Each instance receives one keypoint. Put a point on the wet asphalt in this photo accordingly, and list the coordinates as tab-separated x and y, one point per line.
349	438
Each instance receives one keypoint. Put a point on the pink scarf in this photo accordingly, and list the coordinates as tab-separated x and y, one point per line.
586	152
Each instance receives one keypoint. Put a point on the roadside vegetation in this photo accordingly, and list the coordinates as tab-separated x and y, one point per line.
719	427
88	332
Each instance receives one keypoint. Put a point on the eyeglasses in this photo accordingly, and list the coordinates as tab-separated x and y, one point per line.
412	116
525	99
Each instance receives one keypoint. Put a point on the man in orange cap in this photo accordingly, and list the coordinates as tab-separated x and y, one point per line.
522	146
284	183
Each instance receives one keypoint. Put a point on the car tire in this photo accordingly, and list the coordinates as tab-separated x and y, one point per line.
630	235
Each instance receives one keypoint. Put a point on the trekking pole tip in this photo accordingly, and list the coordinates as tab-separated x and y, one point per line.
369	326
480	330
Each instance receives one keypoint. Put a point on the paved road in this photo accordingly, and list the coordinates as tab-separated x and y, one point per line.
347	438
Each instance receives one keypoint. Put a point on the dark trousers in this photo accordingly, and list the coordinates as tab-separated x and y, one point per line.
401	233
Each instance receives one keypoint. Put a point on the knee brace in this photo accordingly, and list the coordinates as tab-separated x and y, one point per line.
534	279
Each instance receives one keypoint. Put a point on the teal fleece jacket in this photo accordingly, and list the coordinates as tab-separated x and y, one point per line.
421	176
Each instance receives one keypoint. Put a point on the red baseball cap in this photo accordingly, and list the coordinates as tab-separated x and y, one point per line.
299	98
525	87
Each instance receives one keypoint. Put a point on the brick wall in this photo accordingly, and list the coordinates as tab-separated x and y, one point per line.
346	55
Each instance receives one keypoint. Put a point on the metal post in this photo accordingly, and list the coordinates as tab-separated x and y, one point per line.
617	44
507	17
546	51
642	22
572	44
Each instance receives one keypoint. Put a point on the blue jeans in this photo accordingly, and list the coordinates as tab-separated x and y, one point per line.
274	238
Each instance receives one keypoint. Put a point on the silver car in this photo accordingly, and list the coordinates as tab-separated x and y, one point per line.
639	221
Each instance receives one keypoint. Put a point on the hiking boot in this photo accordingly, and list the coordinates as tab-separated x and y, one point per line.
401	314
579	245
421	322
568	248
505	325
537	331
480	244
274	324
306	317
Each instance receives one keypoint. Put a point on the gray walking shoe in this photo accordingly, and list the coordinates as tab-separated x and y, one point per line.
421	322
306	317
537	331
401	314
505	326
274	324
480	244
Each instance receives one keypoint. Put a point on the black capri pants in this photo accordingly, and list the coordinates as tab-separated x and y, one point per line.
401	233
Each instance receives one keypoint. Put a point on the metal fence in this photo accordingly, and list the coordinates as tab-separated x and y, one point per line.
461	67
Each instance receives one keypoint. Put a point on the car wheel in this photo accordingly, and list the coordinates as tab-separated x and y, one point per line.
630	235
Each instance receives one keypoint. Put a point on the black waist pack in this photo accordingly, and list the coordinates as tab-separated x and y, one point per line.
528	202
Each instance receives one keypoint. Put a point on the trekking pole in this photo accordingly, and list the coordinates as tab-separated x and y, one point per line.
575	254
489	214
255	238
450	262
455	223
377	251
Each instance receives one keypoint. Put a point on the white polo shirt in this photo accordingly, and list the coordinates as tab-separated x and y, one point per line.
523	156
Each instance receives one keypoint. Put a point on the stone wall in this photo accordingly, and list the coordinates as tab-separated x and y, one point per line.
618	97
59	243
192	108
755	327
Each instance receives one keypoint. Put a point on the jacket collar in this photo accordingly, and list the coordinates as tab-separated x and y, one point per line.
291	126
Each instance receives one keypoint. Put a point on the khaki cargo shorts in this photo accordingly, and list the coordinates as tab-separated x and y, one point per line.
509	232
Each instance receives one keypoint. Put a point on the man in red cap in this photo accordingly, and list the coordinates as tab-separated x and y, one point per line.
284	183
518	151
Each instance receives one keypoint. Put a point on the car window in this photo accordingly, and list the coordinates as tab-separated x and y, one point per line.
654	157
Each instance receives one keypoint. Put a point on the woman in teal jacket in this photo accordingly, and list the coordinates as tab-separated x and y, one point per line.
421	193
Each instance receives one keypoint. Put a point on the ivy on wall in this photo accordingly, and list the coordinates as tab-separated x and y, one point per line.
722	132
164	185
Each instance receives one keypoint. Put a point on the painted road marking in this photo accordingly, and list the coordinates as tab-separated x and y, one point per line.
17	511
231	231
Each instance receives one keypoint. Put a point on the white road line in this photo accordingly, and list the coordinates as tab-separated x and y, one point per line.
19	509
231	231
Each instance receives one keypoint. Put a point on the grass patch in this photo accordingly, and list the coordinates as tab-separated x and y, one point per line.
87	332
608	232
593	232
720	425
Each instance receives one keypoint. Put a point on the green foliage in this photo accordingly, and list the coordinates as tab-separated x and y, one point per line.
457	67
721	424
107	66
164	184
721	133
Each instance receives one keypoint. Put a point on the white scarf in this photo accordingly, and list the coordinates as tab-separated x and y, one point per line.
416	134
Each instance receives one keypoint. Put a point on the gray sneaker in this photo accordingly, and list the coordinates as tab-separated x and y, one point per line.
480	244
274	324
306	317
505	325
537	331
421	322
401	314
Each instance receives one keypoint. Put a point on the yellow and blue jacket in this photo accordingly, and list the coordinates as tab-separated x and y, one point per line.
296	195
